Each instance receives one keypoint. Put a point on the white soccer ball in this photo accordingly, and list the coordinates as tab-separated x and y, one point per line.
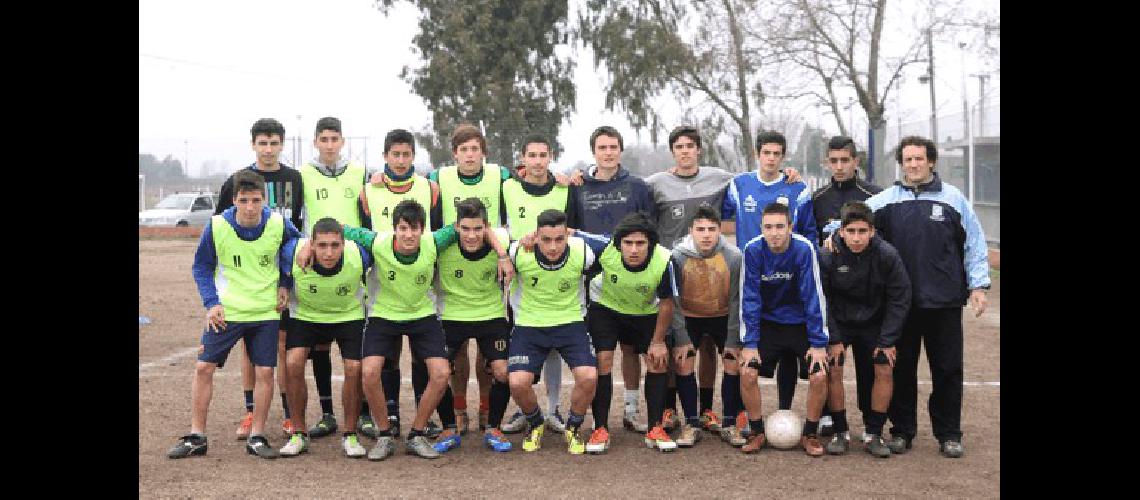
783	429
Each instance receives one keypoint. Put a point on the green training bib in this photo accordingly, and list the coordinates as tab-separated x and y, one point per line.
334	197
399	292
523	208
246	276
629	292
549	298
382	201
452	190
330	299
469	290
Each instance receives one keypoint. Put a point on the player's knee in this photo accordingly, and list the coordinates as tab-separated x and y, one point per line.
499	371
818	379
351	369
748	378
204	369
438	373
835	374
370	372
520	380
884	373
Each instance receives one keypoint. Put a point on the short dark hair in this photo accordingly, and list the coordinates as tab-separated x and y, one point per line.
606	130
267	127
914	140
328	123
471	208
551	217
409	211
841	142
533	139
684	131
771	137
635	222
399	136
328	225
854	211
248	180
777	208
465	132
707	213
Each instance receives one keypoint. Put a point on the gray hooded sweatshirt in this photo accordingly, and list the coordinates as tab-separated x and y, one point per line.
707	286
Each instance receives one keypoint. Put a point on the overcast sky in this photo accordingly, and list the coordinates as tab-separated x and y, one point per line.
209	68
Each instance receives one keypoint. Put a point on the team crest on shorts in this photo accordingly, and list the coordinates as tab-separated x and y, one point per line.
500	345
565	284
421	279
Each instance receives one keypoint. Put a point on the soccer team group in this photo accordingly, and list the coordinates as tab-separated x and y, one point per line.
541	269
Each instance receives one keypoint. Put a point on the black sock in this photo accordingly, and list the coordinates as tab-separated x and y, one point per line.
655	397
729	394
535	419
412	433
446	409
810	428
602	397
671	398
248	401
322	372
365	411
874	421
757	426
419	380
499	398
687	390
390	380
351	433
706	398
839	421
285	405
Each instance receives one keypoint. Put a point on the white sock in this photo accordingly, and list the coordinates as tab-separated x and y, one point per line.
552	374
631	397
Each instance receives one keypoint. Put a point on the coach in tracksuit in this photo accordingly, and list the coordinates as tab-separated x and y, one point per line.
942	245
868	295
845	186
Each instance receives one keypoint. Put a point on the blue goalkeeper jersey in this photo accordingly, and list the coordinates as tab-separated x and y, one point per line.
748	195
782	288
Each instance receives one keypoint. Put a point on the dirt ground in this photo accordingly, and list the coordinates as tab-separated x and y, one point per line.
711	469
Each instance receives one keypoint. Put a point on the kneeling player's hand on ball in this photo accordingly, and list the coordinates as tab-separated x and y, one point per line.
216	318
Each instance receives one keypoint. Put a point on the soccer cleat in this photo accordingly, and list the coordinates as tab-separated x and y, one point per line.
599	441
826	427
495	440
245	426
394	426
631	423
258	445
352	447
484	417
420	445
658	438
533	441
688	436
839	443
877	447
951	449
515	424
188	445
811	445
432	430
366	426
326	426
754	444
297	444
668	420
574	443
448	440
555	421
462	422
384	448
731	435
287	427
709	422
898	444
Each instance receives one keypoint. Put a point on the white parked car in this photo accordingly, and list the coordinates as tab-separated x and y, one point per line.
180	209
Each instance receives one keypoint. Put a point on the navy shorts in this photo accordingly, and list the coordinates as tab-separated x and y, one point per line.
493	337
383	337
530	346
260	342
778	340
347	334
608	328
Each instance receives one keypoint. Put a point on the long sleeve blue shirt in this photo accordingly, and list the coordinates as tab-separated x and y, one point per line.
782	288
206	257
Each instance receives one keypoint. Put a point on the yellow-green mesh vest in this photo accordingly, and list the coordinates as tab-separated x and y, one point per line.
628	292
523	208
398	292
381	202
334	197
549	298
452	190
470	290
247	273
330	299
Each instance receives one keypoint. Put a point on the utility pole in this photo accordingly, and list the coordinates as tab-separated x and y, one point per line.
981	102
186	157
930	77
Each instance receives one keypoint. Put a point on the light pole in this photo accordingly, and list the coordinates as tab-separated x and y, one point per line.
969	134
929	78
